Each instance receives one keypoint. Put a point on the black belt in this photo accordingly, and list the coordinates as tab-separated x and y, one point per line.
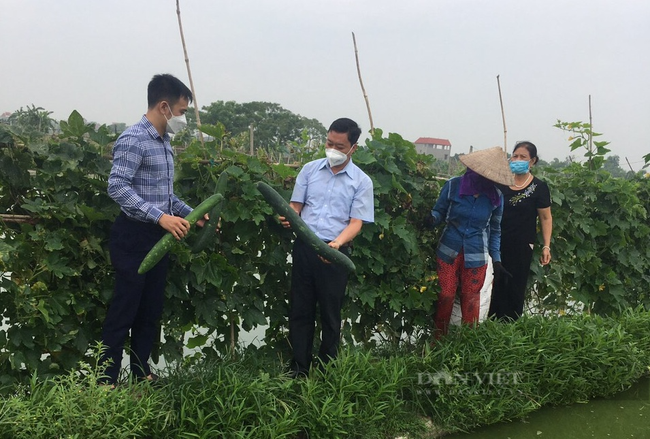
141	225
346	245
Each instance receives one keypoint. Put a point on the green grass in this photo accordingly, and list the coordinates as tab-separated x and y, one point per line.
473	377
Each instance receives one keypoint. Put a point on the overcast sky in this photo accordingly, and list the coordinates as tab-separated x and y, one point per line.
429	66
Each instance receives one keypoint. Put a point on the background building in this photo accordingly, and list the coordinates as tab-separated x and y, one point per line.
439	148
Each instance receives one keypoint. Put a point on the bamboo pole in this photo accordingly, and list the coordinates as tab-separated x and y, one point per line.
10	218
251	135
363	90
189	73
232	335
591	128
503	117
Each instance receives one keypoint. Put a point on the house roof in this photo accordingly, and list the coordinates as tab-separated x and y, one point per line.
433	141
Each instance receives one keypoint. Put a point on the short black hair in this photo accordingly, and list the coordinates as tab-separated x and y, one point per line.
345	125
165	87
530	147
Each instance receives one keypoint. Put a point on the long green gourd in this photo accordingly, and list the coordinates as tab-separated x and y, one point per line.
208	232
300	228
166	242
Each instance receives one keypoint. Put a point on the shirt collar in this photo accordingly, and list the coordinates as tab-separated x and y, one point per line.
325	164
153	132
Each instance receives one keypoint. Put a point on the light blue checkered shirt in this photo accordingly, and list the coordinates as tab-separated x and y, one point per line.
142	176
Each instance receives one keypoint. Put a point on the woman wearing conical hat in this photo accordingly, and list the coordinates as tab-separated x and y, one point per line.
471	207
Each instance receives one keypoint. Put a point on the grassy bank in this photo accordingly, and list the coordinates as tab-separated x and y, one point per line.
471	378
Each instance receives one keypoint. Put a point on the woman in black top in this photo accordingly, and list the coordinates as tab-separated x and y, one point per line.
525	201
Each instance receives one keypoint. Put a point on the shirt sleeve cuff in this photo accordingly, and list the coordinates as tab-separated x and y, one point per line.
186	211
154	215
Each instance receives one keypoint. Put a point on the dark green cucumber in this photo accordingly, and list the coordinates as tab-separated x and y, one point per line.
208	232
166	242
300	228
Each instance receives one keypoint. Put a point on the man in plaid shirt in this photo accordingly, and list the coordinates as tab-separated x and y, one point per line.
141	182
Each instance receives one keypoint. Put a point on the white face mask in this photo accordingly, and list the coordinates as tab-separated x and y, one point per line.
175	123
335	157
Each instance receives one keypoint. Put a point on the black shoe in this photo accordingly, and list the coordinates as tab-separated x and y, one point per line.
297	374
152	379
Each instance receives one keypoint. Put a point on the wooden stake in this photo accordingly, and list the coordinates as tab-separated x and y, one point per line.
189	73
251	134
363	90
232	335
10	218
591	127
503	117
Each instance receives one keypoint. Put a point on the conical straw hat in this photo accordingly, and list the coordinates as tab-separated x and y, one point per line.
491	163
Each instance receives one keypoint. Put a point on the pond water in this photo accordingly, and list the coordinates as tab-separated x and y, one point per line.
626	415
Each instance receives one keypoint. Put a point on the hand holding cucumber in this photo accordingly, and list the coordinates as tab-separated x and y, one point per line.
177	226
290	219
164	245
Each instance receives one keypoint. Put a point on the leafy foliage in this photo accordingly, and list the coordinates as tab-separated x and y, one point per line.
228	287
32	123
74	405
601	238
502	372
55	269
394	290
275	128
241	280
473	377
57	280
582	138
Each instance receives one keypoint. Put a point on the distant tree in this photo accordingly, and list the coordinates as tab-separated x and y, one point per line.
556	163
274	126
117	127
34	122
445	169
183	138
441	168
612	165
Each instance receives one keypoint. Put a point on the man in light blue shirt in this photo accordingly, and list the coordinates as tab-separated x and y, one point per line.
334	198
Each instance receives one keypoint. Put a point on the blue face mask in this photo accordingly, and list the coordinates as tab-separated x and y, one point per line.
519	167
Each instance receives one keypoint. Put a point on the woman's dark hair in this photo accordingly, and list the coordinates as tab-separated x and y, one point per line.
530	147
166	87
345	125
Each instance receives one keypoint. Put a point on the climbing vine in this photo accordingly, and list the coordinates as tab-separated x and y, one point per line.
56	279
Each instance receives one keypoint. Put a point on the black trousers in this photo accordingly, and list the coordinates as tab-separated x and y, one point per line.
314	282
508	295
137	302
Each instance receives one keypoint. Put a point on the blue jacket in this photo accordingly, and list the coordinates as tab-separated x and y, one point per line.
473	226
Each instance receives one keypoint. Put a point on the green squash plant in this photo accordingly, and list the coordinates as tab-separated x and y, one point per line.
55	276
56	279
601	237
